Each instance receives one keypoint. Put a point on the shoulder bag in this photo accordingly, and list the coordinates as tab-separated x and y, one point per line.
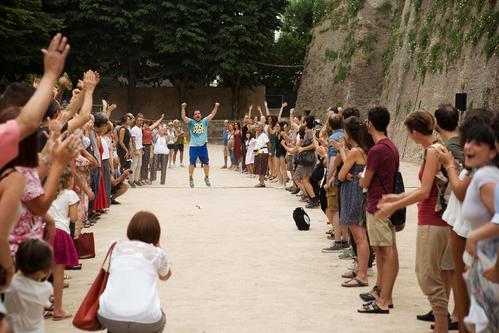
86	317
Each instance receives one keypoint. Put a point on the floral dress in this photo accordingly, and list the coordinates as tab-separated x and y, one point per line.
28	226
83	173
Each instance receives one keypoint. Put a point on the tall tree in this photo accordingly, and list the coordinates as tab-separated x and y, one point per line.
182	41
115	35
24	30
244	31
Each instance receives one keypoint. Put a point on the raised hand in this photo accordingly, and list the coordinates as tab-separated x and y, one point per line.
90	80
55	56
184	105
217	104
284	104
63	151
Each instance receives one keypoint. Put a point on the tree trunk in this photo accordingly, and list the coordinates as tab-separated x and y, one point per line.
236	89
132	85
180	85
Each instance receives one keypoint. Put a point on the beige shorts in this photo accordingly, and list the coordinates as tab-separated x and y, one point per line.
226	150
333	204
381	231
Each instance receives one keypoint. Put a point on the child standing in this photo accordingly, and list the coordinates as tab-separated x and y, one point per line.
250	147
64	210
29	293
161	153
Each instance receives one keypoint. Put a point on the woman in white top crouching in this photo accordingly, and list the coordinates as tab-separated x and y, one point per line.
130	302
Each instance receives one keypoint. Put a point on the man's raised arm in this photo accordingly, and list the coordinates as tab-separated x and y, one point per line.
185	119
214	111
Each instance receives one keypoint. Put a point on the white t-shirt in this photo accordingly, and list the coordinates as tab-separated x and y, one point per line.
131	292
474	210
261	143
59	210
136	132
105	148
25	301
161	147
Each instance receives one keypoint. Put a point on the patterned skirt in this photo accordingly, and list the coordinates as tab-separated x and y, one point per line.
64	249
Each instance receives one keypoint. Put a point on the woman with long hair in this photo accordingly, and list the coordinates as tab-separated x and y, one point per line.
352	200
238	141
280	153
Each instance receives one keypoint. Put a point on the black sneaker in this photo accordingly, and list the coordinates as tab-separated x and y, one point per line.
295	191
191	183
426	317
114	202
207	181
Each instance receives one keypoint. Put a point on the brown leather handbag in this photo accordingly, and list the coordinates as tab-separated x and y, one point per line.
85	246
86	317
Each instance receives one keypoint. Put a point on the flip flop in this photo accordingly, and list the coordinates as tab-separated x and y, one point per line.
369	303
357	283
372	308
64	316
349	275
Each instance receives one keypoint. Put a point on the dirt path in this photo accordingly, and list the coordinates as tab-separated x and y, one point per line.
240	265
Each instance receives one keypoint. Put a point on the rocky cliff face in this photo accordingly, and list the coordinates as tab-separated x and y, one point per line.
407	55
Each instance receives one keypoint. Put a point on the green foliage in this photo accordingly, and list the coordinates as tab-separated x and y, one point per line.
397	109
408	106
342	73
353	7
411	42
385	8
486	94
392	39
24	29
330	54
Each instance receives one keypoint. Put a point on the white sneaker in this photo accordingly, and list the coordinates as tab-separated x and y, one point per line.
353	266
280	187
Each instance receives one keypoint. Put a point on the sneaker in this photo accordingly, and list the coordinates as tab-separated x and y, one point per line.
224	167
191	183
114	202
280	187
314	203
347	254
259	185
290	188
132	184
353	266
333	248
138	183
295	191
207	181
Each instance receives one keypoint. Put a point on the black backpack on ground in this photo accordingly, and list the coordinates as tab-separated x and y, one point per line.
301	218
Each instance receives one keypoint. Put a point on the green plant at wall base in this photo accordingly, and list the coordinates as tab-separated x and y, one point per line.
341	74
423	38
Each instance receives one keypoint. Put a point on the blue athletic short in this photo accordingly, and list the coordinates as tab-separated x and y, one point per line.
200	152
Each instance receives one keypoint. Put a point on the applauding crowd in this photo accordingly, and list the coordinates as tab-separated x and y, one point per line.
350	168
61	167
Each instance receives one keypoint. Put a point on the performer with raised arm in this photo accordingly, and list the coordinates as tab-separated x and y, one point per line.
198	130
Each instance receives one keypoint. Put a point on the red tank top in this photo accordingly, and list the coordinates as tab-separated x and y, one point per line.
426	207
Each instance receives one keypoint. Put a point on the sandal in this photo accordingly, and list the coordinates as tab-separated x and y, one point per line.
369	297
352	283
47	314
349	275
372	308
390	306
64	316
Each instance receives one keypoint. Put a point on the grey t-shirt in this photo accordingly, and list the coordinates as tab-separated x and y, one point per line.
474	210
454	146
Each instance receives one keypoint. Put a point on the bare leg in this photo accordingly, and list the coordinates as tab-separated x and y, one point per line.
58	274
308	187
359	234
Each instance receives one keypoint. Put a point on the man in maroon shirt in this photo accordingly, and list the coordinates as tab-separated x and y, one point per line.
382	164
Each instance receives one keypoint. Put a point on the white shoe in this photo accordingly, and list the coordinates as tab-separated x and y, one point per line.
280	187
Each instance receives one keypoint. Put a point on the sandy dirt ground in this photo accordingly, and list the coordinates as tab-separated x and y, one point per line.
240	265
